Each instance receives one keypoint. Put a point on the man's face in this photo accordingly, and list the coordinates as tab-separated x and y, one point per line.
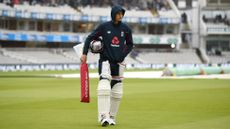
119	16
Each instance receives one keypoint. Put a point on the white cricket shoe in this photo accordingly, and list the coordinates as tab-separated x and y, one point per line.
112	121
104	122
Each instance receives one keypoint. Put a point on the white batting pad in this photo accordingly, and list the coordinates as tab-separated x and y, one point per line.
105	70
103	92
116	95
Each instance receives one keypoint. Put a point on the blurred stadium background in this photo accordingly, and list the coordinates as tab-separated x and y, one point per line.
183	37
40	34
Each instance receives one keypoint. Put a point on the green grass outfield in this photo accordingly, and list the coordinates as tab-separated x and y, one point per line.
53	103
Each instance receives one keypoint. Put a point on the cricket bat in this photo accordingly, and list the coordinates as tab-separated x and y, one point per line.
85	98
84	75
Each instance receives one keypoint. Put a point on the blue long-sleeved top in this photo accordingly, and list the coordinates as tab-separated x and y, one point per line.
117	38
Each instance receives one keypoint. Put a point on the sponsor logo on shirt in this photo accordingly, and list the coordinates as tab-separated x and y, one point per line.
115	42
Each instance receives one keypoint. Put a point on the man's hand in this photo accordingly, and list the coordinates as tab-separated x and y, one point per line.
83	58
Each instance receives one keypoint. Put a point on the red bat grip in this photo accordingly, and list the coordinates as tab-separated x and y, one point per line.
85	96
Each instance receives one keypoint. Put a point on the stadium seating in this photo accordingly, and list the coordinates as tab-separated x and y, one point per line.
46	56
168	13
144	56
46	9
91	11
181	57
9	60
96	11
63	55
224	58
41	56
17	57
139	13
